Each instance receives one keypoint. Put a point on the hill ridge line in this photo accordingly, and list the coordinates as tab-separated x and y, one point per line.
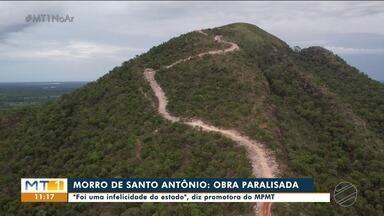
263	163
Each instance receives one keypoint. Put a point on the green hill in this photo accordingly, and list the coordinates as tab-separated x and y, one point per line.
320	116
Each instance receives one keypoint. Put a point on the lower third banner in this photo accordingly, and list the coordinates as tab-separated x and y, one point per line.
170	190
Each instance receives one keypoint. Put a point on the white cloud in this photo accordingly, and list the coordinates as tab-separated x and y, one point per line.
106	33
73	50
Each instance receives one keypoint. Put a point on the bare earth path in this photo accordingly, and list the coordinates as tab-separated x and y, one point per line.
263	164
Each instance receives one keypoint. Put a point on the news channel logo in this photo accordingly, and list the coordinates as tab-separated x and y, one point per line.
43	185
345	194
49	18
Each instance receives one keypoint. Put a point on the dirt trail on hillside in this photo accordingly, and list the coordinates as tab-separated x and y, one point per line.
263	163
201	32
233	47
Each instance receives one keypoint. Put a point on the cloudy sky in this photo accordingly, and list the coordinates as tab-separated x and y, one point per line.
104	34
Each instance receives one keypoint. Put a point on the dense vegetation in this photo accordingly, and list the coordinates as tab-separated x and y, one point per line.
110	128
322	117
357	89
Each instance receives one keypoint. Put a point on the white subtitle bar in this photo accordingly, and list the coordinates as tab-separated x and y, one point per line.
199	197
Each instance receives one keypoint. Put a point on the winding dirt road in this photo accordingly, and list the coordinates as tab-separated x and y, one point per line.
263	163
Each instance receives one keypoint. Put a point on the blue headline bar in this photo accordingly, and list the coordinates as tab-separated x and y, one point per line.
235	185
